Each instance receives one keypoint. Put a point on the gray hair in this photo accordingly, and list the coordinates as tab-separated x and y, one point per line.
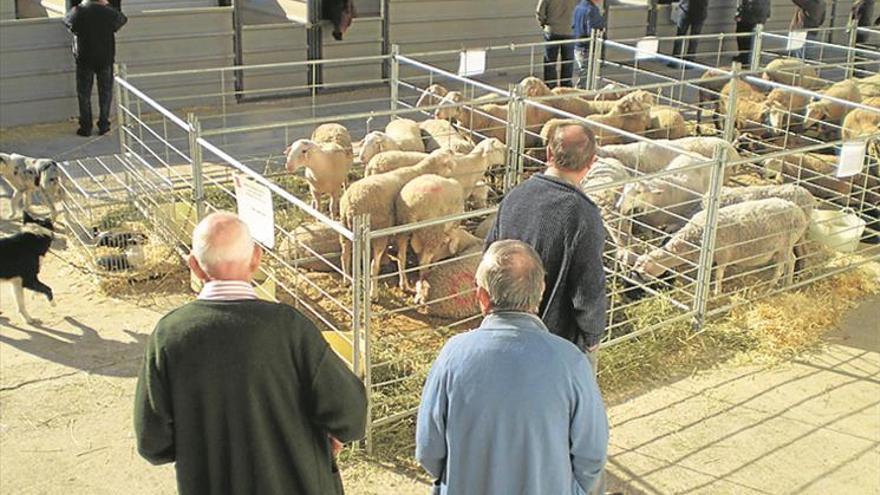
572	154
513	275
222	238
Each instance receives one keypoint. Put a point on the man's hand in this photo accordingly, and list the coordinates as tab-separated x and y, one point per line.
335	445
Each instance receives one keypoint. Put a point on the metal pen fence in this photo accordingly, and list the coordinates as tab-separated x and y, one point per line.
175	169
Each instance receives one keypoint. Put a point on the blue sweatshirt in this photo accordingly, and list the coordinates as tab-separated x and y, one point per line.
587	17
510	408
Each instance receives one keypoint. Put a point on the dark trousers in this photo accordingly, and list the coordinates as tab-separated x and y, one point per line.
744	43
695	27
85	76
552	53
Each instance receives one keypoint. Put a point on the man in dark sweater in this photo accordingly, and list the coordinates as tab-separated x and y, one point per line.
749	13
550	213
245	396
94	24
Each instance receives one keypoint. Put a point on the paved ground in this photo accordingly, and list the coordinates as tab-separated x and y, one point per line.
809	426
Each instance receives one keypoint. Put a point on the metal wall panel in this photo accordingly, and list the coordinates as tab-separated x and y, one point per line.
7	10
36	64
270	44
363	38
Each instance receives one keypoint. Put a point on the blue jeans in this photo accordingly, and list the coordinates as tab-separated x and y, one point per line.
551	54
809	51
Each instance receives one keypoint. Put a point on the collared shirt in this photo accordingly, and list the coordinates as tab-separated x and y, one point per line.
227	290
512	408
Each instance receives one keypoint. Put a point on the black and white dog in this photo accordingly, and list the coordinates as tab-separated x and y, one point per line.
20	256
28	176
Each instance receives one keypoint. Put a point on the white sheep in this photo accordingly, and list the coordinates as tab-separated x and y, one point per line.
387	161
424	198
487	120
452	281
607	171
469	169
23	179
630	113
376	196
648	157
827	111
439	133
748	234
406	134
869	87
376	142
791	72
669	200
790	192
327	158
666	123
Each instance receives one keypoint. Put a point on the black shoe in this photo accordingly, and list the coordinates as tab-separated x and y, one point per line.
103	130
83	132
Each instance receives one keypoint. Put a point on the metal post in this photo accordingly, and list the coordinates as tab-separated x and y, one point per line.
590	54
514	108
757	44
395	75
384	7
852	30
716	180
238	50
366	277
596	60
356	295
121	102
532	60
195	151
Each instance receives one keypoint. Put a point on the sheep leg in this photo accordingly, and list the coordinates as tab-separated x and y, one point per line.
315	203
790	262
780	263
14	203
379	247
346	255
402	246
719	276
334	205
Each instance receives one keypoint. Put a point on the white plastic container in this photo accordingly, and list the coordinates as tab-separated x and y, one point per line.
839	230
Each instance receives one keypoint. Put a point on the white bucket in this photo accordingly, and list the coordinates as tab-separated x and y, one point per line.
839	230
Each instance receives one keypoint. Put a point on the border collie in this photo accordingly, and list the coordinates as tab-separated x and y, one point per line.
20	256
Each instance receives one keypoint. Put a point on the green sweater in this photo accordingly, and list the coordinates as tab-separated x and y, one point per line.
242	395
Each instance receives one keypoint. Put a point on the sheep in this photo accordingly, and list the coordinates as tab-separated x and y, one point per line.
327	166
750	106
607	171
791	72
303	246
23	179
391	160
649	157
480	194
482	228
816	173
469	169
453	281
424	198
790	192
826	111
667	200
333	133
576	104
376	196
869	86
488	120
781	105
630	113
406	134
748	234
376	142
431	96
532	87
710	87
438	133
666	123
864	123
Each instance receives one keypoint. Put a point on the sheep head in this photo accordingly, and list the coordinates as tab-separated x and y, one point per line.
646	265
817	112
636	195
431	95
438	162
493	149
533	87
635	102
448	106
375	142
298	153
5	163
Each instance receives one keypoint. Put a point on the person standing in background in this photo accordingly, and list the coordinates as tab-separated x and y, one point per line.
809	14
749	13
587	17
94	24
554	17
862	12
688	17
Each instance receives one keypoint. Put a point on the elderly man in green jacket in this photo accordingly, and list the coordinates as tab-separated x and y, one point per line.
244	395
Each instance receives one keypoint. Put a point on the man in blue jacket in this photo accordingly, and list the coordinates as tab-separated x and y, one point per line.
587	17
510	407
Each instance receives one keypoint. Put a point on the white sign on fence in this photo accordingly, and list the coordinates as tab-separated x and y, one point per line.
254	203
472	63
796	39
852	158
647	47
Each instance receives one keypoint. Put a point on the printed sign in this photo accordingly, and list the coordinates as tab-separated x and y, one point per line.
472	63
796	39
647	47
254	203
852	158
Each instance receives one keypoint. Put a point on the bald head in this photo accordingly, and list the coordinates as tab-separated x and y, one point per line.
512	275
222	248
572	147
